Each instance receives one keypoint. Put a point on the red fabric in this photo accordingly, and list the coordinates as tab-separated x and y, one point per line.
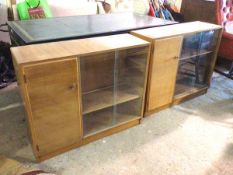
224	16
151	10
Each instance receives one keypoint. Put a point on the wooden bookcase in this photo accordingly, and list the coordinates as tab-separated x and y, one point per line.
81	90
181	63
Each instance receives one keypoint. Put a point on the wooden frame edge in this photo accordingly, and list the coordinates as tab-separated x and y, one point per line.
90	139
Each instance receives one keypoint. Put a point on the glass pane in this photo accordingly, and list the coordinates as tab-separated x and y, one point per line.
192	73
112	88
199	44
97	81
97	85
190	45
208	41
129	80
196	57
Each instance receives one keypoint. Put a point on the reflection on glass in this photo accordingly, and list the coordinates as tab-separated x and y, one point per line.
198	44
112	88
194	64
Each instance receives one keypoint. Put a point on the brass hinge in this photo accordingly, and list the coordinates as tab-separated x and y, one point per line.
37	148
24	79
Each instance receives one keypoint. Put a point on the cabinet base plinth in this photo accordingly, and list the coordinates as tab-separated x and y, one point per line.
186	97
110	131
90	139
177	101
150	112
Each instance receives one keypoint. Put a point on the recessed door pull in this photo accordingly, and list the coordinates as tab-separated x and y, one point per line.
73	86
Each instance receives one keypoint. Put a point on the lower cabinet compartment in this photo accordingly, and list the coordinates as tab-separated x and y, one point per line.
111	117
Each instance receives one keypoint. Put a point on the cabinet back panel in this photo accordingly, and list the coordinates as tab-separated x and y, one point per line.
97	71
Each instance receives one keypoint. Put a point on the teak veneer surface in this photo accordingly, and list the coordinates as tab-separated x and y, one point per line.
52	91
163	70
174	30
48	51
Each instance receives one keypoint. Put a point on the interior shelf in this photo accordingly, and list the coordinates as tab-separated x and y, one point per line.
190	53
105	119
184	88
107	97
113	87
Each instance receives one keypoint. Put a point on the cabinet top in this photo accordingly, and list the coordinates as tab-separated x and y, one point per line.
54	50
174	30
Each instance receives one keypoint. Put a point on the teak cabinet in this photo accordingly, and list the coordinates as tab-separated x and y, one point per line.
80	90
181	63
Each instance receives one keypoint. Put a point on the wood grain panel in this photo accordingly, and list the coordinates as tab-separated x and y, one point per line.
164	65
174	30
55	50
53	94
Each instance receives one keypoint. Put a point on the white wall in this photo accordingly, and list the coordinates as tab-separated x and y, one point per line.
3	18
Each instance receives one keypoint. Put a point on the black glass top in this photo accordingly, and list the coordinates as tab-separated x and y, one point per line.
63	28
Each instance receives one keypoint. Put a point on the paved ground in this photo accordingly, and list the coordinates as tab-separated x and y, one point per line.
194	138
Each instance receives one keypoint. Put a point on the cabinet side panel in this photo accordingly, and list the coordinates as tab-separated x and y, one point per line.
163	72
23	93
54	100
215	55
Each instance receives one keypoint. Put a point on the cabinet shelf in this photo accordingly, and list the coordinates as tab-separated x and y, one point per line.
107	97
186	87
104	120
113	87
188	91
187	55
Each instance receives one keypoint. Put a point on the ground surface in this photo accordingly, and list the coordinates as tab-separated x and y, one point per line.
194	138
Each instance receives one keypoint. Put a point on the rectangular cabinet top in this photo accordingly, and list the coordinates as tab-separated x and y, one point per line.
174	30
54	50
